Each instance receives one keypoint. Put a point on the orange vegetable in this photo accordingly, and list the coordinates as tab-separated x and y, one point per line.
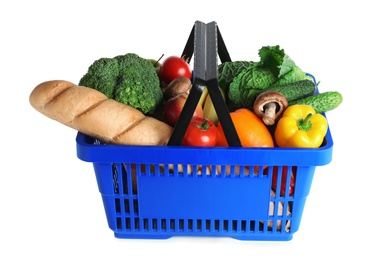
250	129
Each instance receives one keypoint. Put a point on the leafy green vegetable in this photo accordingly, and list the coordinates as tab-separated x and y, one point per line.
230	69
294	75
274	67
281	65
128	79
272	57
246	86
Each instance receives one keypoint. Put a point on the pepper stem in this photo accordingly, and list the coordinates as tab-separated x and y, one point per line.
304	123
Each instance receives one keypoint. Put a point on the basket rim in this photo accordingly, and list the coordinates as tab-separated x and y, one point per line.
89	151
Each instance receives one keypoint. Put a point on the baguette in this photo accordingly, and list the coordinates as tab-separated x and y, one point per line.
92	113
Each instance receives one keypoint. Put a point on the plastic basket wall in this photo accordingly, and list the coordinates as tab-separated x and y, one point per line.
160	192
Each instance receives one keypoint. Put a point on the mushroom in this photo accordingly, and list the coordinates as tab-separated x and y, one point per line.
177	86
269	106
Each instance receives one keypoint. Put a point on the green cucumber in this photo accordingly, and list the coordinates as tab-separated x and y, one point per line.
321	102
294	90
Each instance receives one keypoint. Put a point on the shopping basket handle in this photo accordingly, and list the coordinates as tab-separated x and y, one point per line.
188	51
204	39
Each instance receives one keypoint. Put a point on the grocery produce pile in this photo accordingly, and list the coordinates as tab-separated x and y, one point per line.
272	102
132	100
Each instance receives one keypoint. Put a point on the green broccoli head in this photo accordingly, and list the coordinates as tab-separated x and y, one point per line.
102	75
128	79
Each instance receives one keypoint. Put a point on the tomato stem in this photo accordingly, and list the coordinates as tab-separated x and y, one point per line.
204	125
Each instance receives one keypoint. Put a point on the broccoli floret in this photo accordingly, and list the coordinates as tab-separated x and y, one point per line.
102	75
128	79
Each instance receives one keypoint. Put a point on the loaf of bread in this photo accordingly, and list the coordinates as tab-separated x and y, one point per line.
92	113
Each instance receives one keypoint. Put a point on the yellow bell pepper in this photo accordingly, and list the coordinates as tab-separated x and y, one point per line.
300	126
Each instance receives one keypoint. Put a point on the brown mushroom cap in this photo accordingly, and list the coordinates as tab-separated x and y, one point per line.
177	86
269	106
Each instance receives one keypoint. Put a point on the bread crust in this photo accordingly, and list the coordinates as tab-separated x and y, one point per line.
91	112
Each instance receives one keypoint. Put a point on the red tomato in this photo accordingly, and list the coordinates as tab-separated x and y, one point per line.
200	132
283	187
173	67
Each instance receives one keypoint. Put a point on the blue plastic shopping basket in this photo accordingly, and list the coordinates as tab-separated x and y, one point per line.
157	192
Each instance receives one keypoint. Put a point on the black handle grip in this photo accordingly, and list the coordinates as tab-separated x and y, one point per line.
207	42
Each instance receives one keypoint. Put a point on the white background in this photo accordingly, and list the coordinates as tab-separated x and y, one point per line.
50	204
